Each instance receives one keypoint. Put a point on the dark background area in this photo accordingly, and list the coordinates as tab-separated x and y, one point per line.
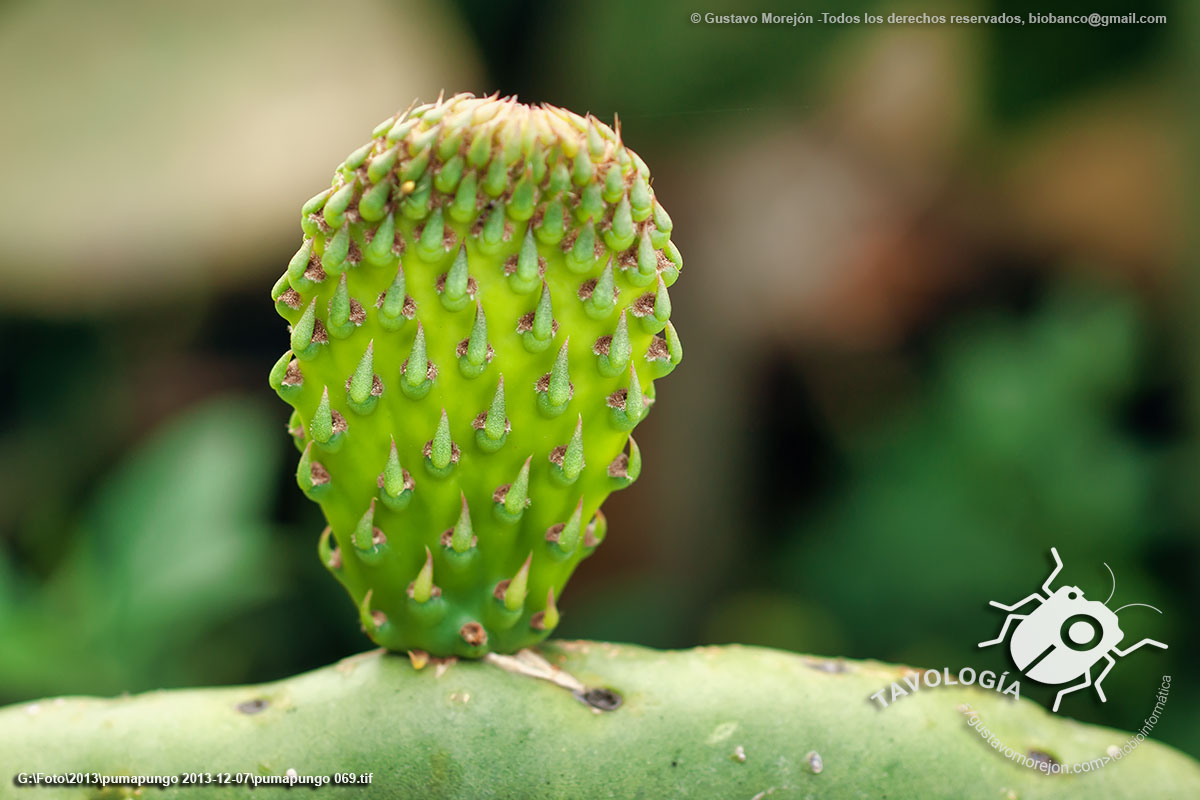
939	309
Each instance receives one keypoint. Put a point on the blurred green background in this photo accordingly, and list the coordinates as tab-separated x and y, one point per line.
939	304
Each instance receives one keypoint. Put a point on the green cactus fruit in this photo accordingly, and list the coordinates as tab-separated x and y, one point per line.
478	311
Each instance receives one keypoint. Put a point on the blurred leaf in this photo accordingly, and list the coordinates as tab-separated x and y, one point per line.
175	542
1018	442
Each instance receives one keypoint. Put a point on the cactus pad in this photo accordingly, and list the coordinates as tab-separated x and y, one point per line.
478	311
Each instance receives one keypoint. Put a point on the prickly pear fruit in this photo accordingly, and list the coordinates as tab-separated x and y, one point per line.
478	311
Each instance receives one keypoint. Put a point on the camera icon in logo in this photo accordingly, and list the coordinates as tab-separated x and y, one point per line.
1065	636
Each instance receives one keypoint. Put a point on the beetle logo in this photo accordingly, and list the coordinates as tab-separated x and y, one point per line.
1065	636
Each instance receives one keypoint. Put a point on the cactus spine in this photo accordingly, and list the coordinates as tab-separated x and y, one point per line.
478	311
